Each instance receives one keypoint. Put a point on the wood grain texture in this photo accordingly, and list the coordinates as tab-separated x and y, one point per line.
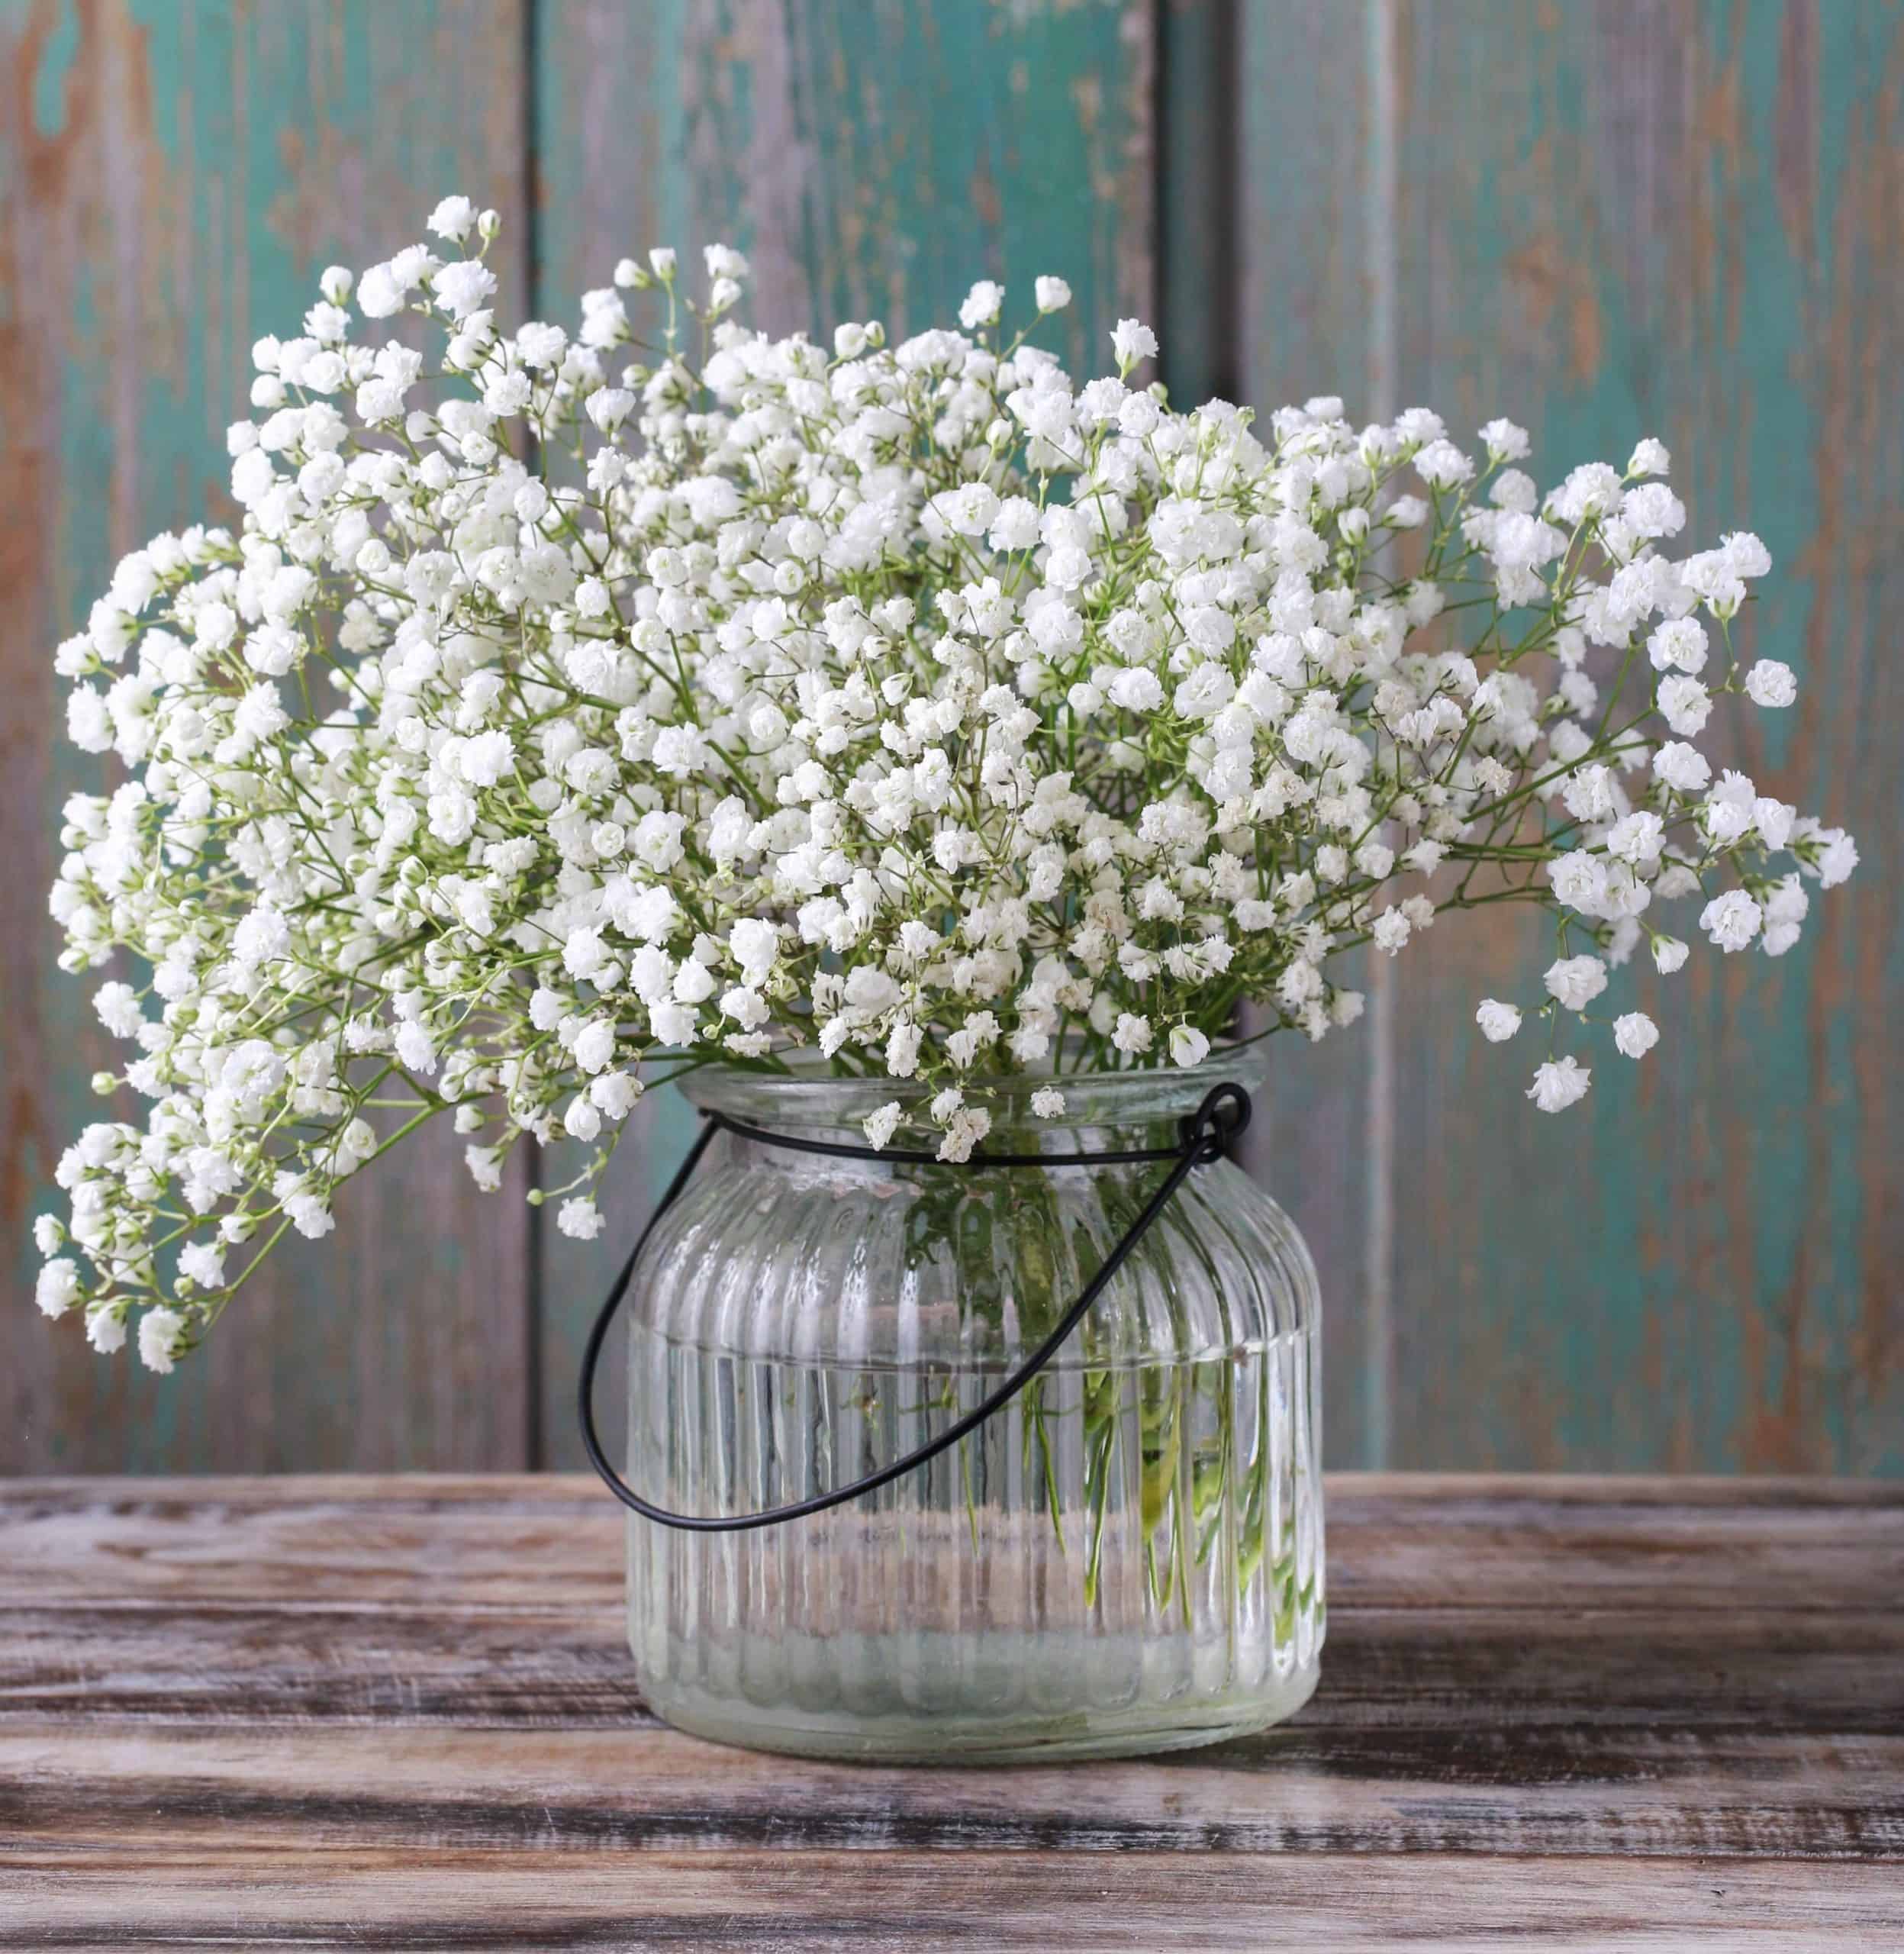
1612	220
455	1902
399	1713
1677	217
873	158
1679	220
1303	271
173	178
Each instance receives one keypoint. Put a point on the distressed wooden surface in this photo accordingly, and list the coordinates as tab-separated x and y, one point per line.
1612	220
399	1713
1300	282
1612	217
903	1899
1682	221
173	178
873	158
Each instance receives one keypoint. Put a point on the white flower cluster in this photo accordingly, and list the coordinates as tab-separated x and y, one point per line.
572	706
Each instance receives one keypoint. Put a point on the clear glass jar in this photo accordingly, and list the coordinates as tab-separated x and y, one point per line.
1128	1558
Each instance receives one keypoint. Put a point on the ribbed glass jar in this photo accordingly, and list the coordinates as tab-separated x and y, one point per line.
1128	1557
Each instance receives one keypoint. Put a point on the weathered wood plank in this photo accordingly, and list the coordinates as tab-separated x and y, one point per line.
1678	220
91	1896
386	1711
1685	1549
873	159
1303	257
1404	1686
1639	1794
172	179
1507	1633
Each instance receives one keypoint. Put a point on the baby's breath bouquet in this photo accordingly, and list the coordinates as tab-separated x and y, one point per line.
577	704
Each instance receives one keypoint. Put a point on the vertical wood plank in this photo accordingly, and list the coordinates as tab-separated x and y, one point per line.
873	159
1309	235
174	175
1680	220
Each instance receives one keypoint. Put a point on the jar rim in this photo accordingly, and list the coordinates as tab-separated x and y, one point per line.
810	1094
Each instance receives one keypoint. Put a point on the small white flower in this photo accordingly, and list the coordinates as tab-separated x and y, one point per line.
1745	555
1786	909
1188	1047
1684	703
1390	930
1558	1084
1053	295
594	1046
609	407
416	1048
879	1127
1635	1034
378	294
754	945
1576	981
968	511
158	1339
106	1329
1731	920
204	1262
1047	1103
485	1166
1651	511
454	218
1637	838
982	305
1132	342
261	938
745	1005
118	1009
1136	690
1133	1034
580	1219
486	757
968	1127
584	953
1769	683
1683	768
1498	1021
1443	466
1669	954
461	288
1680	642
57	1288
1837	857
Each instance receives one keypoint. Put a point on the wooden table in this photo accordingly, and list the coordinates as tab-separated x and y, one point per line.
398	1713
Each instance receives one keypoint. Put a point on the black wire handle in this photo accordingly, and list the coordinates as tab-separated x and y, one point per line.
1208	1134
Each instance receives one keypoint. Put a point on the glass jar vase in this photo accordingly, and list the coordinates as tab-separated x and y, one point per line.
1127	1557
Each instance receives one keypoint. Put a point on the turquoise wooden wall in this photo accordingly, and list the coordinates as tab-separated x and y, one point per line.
1605	218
